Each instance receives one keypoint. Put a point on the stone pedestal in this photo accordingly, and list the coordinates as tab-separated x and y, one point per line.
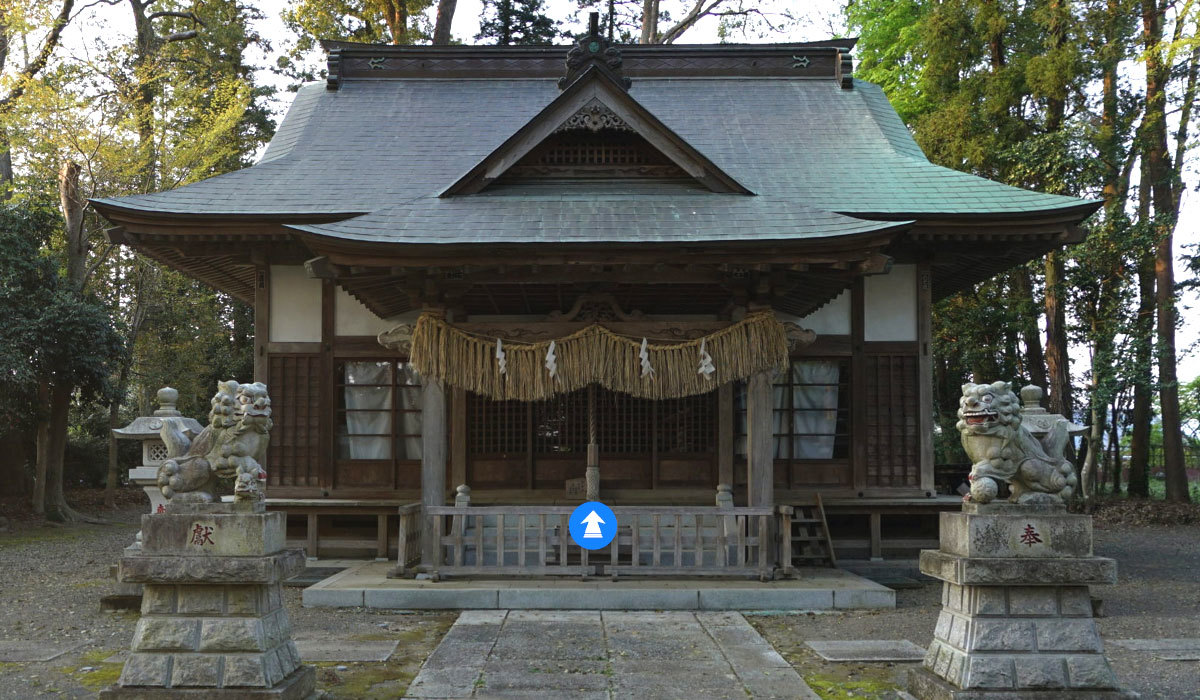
213	623
1016	618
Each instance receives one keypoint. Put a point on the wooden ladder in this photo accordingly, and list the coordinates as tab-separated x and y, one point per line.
805	536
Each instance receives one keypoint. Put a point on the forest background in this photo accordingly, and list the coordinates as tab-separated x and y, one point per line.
1090	98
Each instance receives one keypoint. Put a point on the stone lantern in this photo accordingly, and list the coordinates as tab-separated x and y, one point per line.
1038	420
154	450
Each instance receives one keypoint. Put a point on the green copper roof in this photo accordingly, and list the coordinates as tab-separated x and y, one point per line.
820	159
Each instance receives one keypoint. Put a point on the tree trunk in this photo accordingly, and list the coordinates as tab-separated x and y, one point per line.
1088	470
1114	450
1143	380
649	22
42	457
1035	358
1058	367
1168	389
114	421
72	210
1158	168
12	469
445	16
56	502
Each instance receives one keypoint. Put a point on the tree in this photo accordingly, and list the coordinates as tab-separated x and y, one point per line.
516	22
1162	174
652	22
58	341
367	21
12	18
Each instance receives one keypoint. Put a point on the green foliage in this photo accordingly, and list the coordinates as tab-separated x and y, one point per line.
366	21
50	333
516	22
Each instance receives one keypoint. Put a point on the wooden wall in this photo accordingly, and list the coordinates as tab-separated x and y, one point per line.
890	403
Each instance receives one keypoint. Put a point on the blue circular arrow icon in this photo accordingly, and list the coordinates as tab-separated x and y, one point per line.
593	525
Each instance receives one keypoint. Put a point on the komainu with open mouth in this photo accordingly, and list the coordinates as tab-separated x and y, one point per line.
1001	449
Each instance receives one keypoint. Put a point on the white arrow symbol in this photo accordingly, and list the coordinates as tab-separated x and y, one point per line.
593	523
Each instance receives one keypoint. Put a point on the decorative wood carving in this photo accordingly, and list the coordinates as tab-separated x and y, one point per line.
594	116
594	308
398	338
798	337
594	50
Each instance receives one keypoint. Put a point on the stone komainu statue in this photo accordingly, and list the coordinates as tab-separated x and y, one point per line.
1000	448
233	446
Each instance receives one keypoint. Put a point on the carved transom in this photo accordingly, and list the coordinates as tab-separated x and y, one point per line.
594	116
593	308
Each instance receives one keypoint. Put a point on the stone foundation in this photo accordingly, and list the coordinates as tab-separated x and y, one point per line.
213	621
1016	618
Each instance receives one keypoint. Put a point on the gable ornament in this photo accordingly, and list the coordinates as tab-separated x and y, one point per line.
594	49
594	116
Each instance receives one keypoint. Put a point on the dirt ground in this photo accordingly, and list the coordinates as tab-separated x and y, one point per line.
53	578
1157	596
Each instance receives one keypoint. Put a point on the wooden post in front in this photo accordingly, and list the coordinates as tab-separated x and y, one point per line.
592	471
760	473
433	463
725	434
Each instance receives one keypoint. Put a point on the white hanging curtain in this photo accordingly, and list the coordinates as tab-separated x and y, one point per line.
369	420
814	418
409	446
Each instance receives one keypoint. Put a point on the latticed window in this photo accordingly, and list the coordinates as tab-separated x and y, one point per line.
811	417
577	153
625	425
379	410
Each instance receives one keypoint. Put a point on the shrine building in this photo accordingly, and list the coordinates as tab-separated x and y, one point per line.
629	272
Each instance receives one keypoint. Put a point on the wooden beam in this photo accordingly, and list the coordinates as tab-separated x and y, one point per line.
320	268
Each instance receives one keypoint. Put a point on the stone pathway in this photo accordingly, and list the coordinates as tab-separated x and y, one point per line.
593	654
872	650
26	650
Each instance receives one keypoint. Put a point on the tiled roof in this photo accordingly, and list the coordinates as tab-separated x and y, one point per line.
815	154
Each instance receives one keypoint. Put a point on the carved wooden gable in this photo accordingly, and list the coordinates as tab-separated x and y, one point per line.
595	129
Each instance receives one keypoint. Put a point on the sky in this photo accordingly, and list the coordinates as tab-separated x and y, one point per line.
819	23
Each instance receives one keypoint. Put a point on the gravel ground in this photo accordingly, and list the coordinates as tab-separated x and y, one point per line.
1157	596
55	576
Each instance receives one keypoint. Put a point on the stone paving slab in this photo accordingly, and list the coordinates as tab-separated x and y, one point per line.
345	650
1156	644
606	654
868	650
27	650
366	584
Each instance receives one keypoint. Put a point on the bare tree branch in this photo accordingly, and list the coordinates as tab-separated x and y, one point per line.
698	11
181	15
43	56
181	36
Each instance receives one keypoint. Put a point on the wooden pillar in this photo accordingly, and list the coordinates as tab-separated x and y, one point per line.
725	434
858	387
760	473
262	322
925	374
458	437
433	462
